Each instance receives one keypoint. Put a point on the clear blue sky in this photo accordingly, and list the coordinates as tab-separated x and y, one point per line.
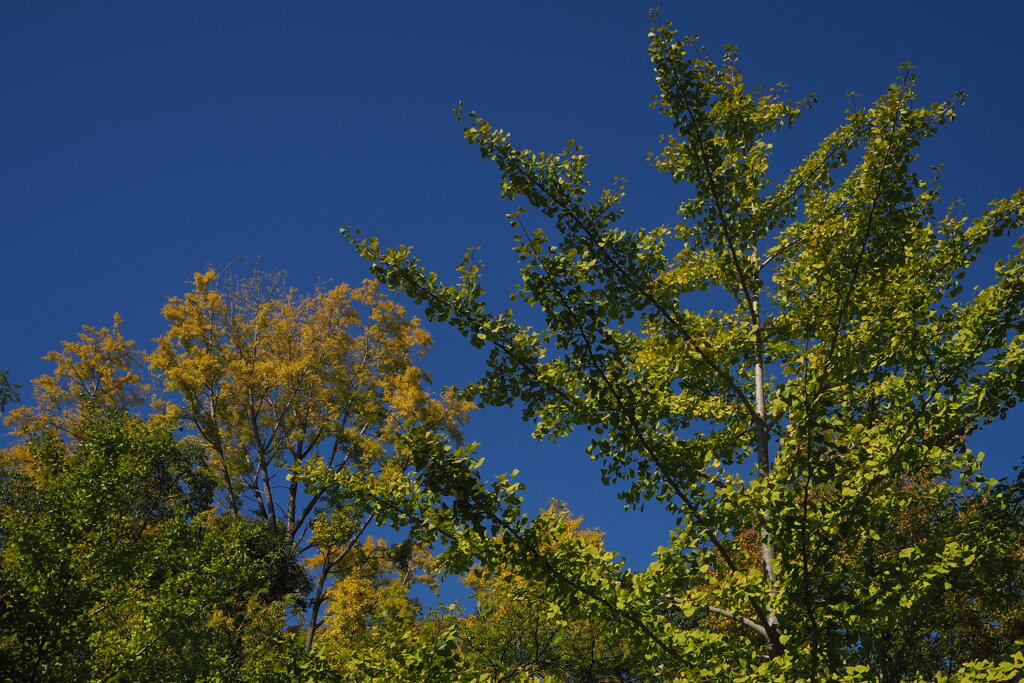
140	141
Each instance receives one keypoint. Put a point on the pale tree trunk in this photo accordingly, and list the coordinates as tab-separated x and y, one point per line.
771	631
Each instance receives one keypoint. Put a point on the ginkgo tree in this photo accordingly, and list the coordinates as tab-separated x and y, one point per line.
100	371
809	435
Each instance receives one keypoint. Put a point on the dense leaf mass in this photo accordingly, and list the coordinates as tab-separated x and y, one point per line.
809	437
790	370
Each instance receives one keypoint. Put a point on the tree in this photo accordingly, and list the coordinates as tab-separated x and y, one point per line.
277	385
299	407
372	592
514	632
785	430
100	371
112	566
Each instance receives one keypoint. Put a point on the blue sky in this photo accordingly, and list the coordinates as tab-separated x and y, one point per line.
140	141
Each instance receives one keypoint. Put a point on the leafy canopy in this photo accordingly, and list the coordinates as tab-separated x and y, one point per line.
295	410
112	566
807	435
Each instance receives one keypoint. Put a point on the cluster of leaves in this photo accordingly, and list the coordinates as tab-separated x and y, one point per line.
126	553
809	436
274	384
519	629
114	567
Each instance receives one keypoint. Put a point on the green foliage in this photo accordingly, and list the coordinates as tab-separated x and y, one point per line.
296	410
808	436
515	630
108	570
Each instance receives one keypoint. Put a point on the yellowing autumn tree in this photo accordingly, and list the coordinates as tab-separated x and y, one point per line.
273	383
100	371
300	405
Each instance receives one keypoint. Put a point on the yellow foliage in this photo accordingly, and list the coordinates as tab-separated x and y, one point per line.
273	378
372	586
274	385
518	627
100	371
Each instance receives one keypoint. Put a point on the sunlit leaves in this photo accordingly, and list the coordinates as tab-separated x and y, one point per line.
301	402
808	434
100	371
108	568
